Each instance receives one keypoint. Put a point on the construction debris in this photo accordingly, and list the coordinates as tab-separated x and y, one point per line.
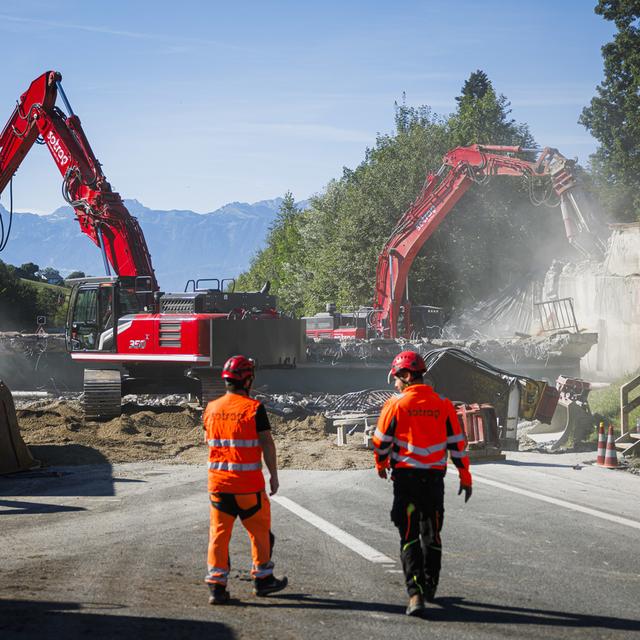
169	429
561	350
572	421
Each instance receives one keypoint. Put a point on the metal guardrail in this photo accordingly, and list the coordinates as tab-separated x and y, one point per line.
556	315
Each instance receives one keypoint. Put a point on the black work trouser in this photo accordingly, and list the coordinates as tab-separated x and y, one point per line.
418	512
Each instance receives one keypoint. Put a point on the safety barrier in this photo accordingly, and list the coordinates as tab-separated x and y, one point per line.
629	441
626	405
480	426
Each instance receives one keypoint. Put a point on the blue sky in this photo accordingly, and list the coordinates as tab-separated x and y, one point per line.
191	104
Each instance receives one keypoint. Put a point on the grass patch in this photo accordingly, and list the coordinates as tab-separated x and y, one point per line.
51	301
606	402
37	284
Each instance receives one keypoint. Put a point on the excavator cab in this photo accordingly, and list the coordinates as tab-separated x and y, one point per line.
94	309
427	321
90	321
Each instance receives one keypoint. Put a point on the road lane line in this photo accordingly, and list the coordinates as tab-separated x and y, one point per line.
561	503
349	541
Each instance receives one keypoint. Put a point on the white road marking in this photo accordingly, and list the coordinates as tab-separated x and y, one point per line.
561	503
349	541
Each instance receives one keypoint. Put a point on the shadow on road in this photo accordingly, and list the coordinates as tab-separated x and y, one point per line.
27	619
17	507
66	454
460	610
91	479
522	463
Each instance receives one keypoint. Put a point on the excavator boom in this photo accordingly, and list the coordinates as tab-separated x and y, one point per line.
135	338
461	168
100	211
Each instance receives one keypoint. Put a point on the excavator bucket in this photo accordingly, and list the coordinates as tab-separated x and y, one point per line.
14	453
571	423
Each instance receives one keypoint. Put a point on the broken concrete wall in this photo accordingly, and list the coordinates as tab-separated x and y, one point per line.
606	300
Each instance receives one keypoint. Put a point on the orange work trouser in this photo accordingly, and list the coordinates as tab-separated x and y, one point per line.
254	511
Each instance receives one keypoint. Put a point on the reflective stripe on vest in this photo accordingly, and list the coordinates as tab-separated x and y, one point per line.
234	443
458	437
421	451
382	436
412	462
235	466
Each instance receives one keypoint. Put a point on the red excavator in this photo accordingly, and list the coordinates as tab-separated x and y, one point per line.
460	168
137	338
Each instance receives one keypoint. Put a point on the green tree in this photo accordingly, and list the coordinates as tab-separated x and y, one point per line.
17	301
482	116
613	116
485	243
279	262
28	270
76	274
329	252
52	303
349	224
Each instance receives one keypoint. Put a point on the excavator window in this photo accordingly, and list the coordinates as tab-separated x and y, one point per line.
84	321
129	301
93	318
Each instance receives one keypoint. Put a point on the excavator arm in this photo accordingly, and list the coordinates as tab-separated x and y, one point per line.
461	168
100	211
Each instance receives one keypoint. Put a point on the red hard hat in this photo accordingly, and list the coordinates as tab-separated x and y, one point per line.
238	368
409	360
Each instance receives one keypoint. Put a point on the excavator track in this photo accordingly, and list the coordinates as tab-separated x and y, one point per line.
212	386
102	393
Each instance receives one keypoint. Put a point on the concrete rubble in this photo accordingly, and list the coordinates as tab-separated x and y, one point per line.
31	343
561	351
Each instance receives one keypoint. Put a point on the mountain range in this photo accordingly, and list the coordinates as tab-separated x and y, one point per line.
183	244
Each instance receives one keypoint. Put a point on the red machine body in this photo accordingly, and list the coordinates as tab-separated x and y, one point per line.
461	168
159	339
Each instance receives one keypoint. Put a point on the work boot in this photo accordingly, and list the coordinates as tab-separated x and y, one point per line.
430	590
219	594
415	606
270	584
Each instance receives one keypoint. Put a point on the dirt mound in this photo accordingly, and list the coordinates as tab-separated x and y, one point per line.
57	434
303	444
136	435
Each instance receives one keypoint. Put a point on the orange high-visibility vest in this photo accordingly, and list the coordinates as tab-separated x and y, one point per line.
417	430
235	455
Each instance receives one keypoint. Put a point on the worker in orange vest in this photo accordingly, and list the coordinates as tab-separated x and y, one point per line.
414	433
238	433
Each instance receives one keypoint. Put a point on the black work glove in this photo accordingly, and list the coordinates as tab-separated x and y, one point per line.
467	491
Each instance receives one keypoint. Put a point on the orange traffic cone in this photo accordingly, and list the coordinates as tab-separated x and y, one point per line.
610	456
602	445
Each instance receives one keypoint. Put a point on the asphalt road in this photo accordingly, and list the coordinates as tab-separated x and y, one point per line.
106	552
